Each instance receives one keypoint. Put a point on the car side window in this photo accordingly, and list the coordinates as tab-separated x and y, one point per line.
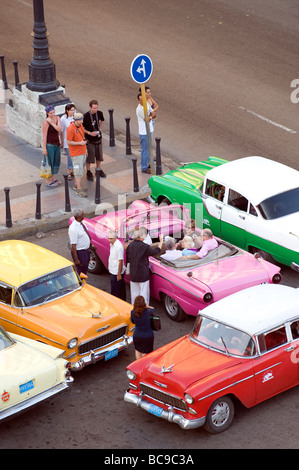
214	189
272	339
295	329
5	294
236	200
252	210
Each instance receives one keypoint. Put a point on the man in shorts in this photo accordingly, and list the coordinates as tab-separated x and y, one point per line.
75	139
92	123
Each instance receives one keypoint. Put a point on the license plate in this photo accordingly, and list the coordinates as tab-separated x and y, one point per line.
111	354
27	386
155	410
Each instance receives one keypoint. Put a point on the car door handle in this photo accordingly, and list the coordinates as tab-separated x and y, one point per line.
290	348
242	217
218	207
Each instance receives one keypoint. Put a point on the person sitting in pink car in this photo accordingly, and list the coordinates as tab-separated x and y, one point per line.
209	243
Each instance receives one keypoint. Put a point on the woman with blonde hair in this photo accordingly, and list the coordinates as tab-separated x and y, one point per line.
187	245
143	336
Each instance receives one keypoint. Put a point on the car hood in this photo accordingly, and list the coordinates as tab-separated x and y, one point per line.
190	175
84	310
184	363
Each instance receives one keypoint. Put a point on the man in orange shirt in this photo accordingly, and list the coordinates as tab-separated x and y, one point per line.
75	138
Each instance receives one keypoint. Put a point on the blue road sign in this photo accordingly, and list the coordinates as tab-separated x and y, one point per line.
141	68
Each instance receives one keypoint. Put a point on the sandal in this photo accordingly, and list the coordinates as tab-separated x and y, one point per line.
53	184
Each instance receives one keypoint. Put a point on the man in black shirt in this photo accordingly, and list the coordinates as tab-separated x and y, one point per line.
92	123
137	255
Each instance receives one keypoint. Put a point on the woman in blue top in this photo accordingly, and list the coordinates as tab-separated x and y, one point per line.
143	336
188	246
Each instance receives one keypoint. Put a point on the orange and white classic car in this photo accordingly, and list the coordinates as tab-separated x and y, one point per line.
43	298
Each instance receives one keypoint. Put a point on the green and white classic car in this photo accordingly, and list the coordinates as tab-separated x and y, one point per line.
252	202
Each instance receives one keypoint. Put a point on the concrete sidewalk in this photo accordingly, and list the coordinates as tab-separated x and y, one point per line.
20	165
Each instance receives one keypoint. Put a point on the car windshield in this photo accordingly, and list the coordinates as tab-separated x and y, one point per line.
223	338
5	340
280	205
47	287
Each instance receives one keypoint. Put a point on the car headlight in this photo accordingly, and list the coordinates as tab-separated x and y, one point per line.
188	398
131	375
72	343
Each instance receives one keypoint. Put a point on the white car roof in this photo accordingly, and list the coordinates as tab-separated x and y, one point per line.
256	178
257	308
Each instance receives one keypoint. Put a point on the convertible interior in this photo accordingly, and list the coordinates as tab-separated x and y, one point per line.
224	250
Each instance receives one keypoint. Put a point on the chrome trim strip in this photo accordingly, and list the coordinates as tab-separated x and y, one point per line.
239	381
225	388
267	368
40	336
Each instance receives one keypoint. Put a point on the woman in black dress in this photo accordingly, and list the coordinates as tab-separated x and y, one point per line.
143	336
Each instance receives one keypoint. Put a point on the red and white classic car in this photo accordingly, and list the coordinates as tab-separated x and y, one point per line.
244	347
183	286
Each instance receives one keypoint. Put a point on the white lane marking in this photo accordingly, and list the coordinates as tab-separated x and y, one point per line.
268	120
25	3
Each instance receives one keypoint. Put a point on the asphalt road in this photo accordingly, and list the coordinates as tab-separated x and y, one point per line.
93	414
222	74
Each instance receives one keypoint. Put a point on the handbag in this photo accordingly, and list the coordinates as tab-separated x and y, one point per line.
45	169
155	322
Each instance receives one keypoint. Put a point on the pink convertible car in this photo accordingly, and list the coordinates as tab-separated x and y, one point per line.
184	286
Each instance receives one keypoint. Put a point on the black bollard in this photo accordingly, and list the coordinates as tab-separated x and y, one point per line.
128	137
38	214
67	194
4	79
97	199
8	212
158	157
135	176
17	80
111	132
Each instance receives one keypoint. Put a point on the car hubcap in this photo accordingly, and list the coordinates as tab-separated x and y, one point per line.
171	306
220	414
92	261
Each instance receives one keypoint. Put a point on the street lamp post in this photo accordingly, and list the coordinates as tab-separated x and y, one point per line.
25	112
42	72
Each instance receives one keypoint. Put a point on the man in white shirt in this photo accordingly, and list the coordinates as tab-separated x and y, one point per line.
80	242
145	163
116	266
171	253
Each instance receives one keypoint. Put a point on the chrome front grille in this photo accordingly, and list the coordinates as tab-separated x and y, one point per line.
102	340
163	397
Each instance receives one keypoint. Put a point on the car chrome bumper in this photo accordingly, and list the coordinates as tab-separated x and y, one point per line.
169	415
94	356
35	400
